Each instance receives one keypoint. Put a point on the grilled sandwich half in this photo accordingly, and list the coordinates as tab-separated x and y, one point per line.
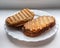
37	26
20	18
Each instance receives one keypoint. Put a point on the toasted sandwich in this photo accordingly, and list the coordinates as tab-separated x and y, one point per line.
20	18
38	26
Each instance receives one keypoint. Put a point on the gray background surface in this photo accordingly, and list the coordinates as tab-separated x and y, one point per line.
30	3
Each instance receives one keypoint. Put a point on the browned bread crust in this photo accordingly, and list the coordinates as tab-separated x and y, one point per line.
20	18
37	26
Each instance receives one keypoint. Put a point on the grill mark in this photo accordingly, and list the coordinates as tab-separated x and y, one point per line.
24	13
20	16
30	12
36	23
10	19
32	25
52	18
27	13
46	20
49	19
40	25
27	25
17	16
42	22
14	20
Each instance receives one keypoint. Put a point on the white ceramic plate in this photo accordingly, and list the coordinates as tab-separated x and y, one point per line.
20	36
